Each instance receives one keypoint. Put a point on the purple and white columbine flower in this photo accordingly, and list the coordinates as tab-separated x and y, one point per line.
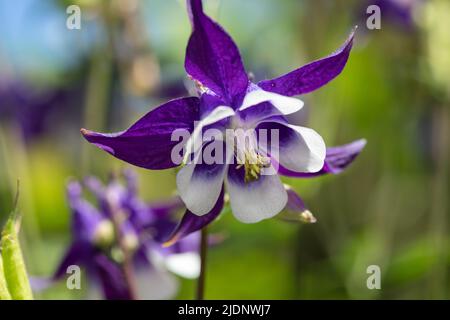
228	100
143	227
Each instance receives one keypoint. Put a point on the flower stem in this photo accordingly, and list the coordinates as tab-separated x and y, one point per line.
203	255
127	263
130	278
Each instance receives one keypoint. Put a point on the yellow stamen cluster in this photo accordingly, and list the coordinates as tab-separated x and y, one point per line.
253	164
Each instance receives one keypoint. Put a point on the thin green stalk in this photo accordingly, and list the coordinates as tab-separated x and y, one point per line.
203	255
439	202
127	262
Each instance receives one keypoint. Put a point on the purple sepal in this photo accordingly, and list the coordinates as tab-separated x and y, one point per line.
313	75
213	59
148	142
337	160
111	278
191	222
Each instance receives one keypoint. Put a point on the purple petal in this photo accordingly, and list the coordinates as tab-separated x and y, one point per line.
396	12
85	217
160	230
295	203
296	210
336	160
141	257
164	209
213	59
147	143
190	243
79	253
313	75
158	218
74	192
208	102
112	279
39	284
131	179
96	187
191	222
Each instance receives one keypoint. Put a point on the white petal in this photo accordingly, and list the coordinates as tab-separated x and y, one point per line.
299	149
186	265
314	143
156	284
194	143
257	200
286	105
200	188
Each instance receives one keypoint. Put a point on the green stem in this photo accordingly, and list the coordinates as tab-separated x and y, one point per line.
203	255
439	203
127	263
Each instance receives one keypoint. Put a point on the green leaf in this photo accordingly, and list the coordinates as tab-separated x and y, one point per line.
13	263
4	293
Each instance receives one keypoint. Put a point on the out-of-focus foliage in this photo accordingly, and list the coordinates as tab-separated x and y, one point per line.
4	292
13	269
435	22
390	208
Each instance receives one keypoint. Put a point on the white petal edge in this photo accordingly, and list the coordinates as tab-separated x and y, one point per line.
219	113
286	105
252	204
156	284
316	146
199	194
295	157
186	265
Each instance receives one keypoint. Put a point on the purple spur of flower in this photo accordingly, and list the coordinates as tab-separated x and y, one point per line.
95	247
228	100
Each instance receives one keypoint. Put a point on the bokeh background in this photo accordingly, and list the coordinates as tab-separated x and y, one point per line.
390	208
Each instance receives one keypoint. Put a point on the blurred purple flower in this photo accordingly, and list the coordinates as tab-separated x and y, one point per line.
397	12
95	247
30	108
229	100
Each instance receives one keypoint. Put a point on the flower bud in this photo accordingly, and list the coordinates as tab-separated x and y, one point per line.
307	217
104	234
130	241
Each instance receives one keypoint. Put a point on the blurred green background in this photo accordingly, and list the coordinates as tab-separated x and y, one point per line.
390	208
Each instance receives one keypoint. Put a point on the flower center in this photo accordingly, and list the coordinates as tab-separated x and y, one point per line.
247	151
248	156
253	164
